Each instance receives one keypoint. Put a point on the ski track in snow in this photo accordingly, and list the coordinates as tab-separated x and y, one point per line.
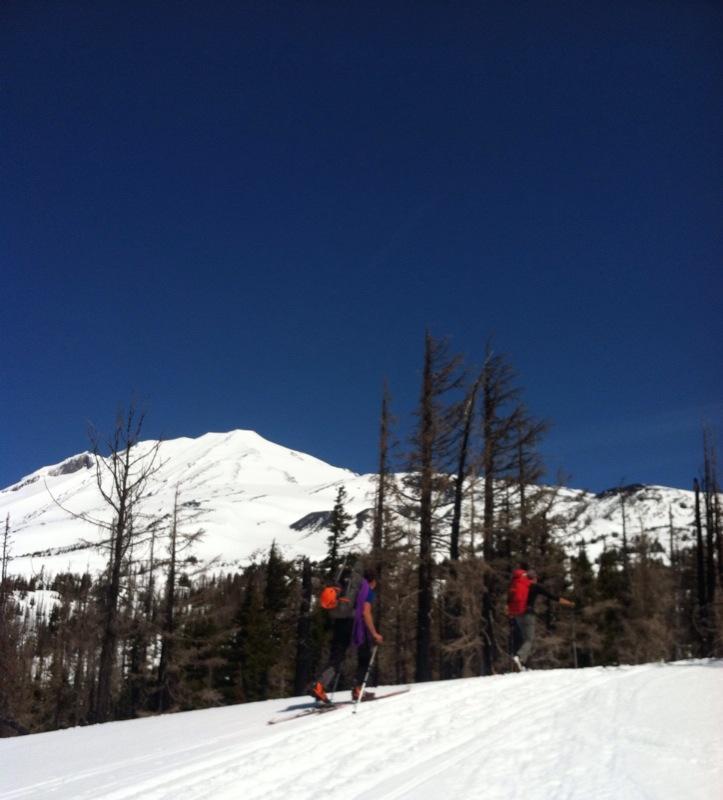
633	733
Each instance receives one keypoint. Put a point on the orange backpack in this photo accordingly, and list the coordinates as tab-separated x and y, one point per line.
339	599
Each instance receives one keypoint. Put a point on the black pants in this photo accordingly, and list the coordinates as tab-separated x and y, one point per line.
364	656
340	643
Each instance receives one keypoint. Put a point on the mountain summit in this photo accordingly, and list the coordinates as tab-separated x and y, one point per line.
241	489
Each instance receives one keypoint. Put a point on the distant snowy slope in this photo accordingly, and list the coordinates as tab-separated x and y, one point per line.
242	490
661	515
650	732
246	492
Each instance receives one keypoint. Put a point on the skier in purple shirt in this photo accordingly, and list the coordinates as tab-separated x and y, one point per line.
358	631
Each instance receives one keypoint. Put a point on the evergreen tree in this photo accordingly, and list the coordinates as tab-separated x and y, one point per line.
611	584
302	672
583	591
338	538
254	638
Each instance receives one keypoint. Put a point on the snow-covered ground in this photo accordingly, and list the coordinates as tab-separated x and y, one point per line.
651	732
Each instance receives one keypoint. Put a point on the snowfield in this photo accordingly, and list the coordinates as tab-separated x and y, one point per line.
651	732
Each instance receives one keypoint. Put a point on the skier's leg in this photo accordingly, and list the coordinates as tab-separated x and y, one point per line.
527	630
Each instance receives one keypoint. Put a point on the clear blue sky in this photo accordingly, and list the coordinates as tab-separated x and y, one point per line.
247	213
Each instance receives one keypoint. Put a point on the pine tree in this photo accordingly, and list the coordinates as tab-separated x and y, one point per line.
254	639
302	671
338	539
583	591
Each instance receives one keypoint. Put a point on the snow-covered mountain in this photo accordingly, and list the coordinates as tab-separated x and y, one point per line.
243	490
246	492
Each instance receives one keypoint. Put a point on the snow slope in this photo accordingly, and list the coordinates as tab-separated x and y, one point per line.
651	732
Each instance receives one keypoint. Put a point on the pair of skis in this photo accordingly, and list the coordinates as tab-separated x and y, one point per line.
333	706
308	712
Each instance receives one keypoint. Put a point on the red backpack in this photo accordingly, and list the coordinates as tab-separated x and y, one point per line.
517	593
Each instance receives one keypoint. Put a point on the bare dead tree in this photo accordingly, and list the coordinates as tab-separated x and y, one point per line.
434	448
122	473
179	543
499	398
5	559
383	479
453	660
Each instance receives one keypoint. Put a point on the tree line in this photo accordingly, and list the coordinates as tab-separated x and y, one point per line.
459	503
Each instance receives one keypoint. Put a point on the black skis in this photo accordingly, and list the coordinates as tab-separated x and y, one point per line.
307	712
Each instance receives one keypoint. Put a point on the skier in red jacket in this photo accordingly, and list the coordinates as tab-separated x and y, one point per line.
524	590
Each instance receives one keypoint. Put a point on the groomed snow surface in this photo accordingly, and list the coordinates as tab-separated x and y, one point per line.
652	731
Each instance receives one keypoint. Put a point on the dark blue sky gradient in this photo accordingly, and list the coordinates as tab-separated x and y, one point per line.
247	213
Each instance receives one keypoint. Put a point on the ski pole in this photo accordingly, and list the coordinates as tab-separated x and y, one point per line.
336	683
511	643
366	677
574	643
